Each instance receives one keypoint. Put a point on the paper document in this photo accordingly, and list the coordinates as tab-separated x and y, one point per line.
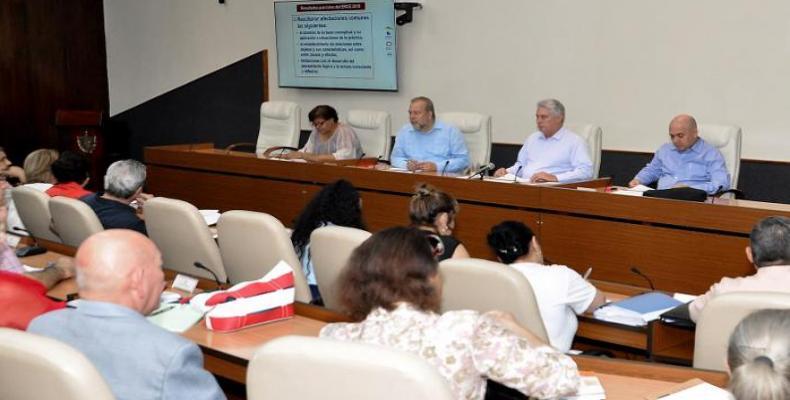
395	169
693	389
175	317
684	298
210	216
12	240
507	178
637	310
589	389
640	188
28	268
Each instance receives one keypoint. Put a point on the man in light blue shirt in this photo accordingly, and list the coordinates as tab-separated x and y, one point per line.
687	161
120	280
553	153
426	144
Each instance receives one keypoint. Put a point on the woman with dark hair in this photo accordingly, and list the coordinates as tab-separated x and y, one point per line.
71	175
758	356
433	210
10	172
338	203
561	293
330	140
392	286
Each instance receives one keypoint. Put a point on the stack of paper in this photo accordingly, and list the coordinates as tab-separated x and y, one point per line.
175	317
637	310
589	389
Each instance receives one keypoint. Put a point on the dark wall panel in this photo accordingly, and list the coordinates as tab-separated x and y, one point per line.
52	56
221	107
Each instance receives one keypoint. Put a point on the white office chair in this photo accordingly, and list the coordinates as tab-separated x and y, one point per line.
37	367
726	138
476	129
181	234
330	249
593	135
33	208
482	285
373	129
73	220
340	370
719	318
279	125
252	243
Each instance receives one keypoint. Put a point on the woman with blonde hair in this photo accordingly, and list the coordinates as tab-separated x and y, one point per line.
758	356
433	210
37	166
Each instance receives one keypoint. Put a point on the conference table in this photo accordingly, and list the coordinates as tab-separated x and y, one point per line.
681	246
228	354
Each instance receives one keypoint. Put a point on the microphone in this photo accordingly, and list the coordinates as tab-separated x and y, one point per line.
483	170
203	267
30	250
638	272
446	163
518	171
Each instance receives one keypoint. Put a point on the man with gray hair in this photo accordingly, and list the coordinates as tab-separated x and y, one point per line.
121	204
553	153
769	252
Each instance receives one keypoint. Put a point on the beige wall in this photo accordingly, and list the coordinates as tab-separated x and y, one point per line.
626	65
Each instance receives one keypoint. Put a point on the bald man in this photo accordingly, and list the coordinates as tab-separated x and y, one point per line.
688	161
120	280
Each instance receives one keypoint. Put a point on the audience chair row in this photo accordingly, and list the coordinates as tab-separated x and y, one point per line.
57	219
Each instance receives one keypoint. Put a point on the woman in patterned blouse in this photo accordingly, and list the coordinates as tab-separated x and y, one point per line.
392	286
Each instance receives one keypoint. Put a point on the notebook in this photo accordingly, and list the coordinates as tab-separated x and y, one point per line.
637	310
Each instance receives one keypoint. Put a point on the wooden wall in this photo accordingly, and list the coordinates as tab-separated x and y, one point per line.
52	56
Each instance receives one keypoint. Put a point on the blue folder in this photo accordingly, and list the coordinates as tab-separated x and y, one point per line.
648	302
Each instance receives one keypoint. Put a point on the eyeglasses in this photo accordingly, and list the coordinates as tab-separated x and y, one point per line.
318	124
437	246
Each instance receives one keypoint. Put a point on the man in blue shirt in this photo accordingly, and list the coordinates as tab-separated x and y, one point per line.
426	144
687	161
553	153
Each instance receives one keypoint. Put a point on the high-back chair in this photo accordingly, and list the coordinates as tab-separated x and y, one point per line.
340	370
37	367
373	129
330	249
279	125
252	243
183	237
73	220
726	138
33	208
476	129
719	318
482	285
592	134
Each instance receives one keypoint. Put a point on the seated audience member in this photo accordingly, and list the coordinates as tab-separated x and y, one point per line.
561	293
769	252
427	144
759	356
433	210
39	176
329	140
553	153
71	175
10	172
23	295
120	280
123	185
688	161
336	204
392	286
38	170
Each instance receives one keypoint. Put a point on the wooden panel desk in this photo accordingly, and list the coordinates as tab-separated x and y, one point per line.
682	246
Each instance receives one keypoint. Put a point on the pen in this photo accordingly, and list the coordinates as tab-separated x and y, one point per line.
164	310
587	274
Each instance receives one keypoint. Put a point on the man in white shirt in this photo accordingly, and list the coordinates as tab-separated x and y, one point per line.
553	153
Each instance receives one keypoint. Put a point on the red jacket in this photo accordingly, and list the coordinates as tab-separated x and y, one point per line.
22	299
